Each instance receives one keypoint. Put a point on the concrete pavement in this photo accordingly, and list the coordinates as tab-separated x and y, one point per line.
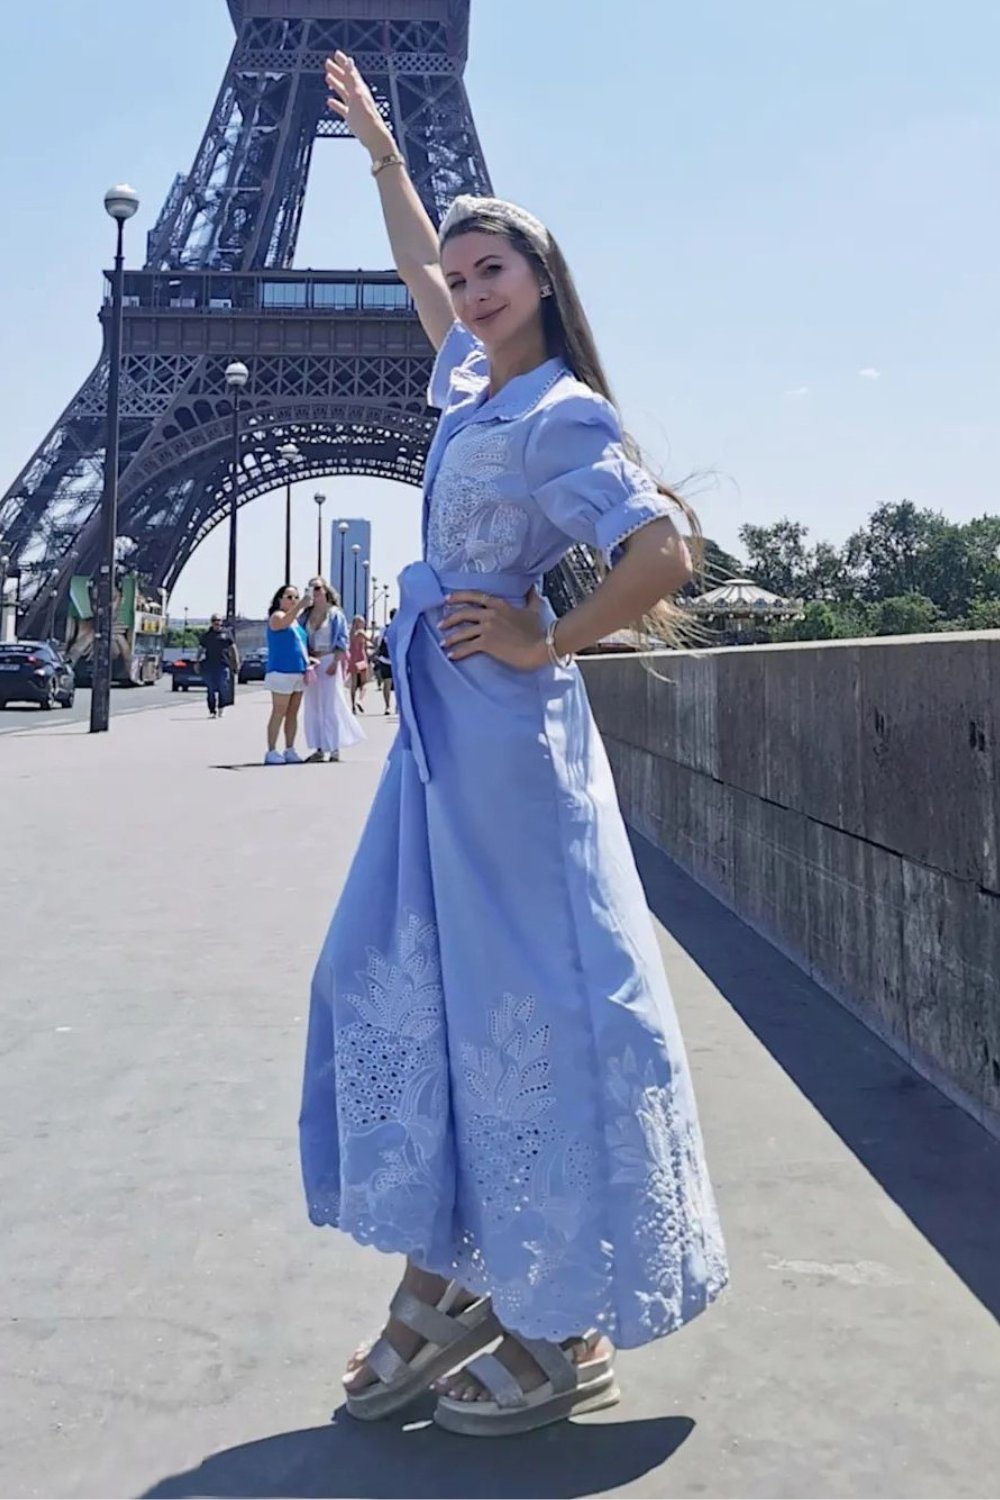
171	1324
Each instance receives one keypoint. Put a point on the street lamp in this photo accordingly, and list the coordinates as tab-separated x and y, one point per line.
343	528
354	595
237	376
121	203
366	565
4	565
291	455
320	499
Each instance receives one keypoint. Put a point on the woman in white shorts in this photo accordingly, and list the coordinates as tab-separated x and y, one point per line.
287	664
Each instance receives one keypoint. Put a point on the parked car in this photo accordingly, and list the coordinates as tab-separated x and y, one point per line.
35	672
253	667
186	673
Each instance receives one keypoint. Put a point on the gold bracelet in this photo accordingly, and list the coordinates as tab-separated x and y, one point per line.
550	646
392	160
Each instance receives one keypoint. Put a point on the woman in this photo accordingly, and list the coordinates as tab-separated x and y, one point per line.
329	724
495	1083
287	664
383	666
357	663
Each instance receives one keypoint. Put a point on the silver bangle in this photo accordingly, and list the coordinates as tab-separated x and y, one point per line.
550	646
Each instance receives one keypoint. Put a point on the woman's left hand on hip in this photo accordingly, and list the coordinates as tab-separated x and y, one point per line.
480	622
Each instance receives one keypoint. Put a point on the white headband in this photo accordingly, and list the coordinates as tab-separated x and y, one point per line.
466	207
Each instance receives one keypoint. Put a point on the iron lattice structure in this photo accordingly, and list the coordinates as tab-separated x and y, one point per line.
338	361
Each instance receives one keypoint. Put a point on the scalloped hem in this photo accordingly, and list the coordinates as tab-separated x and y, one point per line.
390	1242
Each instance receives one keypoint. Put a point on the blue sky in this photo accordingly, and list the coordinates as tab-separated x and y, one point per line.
783	216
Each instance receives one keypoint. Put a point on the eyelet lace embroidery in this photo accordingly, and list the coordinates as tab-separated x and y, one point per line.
391	1087
470	529
545	1200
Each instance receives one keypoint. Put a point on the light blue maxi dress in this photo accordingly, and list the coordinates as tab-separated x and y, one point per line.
495	1083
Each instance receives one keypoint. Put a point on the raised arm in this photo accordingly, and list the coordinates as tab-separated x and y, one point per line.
412	236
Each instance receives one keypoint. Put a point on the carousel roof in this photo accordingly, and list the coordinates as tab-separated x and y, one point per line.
741	596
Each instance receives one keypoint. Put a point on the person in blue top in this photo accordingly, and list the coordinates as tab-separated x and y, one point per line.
495	1083
287	664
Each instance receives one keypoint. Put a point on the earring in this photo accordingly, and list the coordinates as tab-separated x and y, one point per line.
546	291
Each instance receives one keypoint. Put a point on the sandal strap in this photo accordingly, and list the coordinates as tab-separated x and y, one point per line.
385	1361
560	1367
497	1379
430	1323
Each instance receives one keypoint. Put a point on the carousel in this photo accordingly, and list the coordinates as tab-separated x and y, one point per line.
740	611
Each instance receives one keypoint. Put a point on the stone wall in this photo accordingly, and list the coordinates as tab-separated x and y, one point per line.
843	798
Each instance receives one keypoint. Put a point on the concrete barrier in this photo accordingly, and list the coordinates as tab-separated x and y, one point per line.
843	798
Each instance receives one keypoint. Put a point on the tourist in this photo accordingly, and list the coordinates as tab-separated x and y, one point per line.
357	663
287	664
495	1083
219	662
383	665
328	722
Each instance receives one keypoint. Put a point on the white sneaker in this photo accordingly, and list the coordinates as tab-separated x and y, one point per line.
274	758
292	758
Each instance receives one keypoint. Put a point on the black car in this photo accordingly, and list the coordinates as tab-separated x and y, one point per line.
35	672
253	667
186	673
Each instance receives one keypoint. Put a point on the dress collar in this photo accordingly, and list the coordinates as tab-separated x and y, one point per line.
520	395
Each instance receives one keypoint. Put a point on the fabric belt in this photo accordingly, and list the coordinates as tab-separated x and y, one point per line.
421	589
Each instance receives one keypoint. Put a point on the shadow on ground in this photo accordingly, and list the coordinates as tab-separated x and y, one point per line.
934	1160
385	1461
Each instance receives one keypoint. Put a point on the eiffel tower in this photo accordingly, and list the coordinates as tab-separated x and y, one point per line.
338	361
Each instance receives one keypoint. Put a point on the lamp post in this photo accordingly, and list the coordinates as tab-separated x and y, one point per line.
121	203
290	454
366	570
50	618
237	376
320	499
343	528
4	565
385	605
356	549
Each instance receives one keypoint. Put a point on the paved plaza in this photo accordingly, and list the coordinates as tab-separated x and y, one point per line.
172	1326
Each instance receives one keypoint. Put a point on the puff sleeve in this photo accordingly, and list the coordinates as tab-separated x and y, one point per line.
577	471
338	632
461	352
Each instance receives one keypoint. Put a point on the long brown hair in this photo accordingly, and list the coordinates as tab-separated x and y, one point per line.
568	336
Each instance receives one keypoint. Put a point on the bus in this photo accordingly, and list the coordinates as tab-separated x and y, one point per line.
138	638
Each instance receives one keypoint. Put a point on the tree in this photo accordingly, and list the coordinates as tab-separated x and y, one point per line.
713	567
905	614
827	620
887	555
984	614
829	576
778	556
818	623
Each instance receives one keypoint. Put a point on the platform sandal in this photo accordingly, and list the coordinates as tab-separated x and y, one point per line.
452	1338
570	1389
